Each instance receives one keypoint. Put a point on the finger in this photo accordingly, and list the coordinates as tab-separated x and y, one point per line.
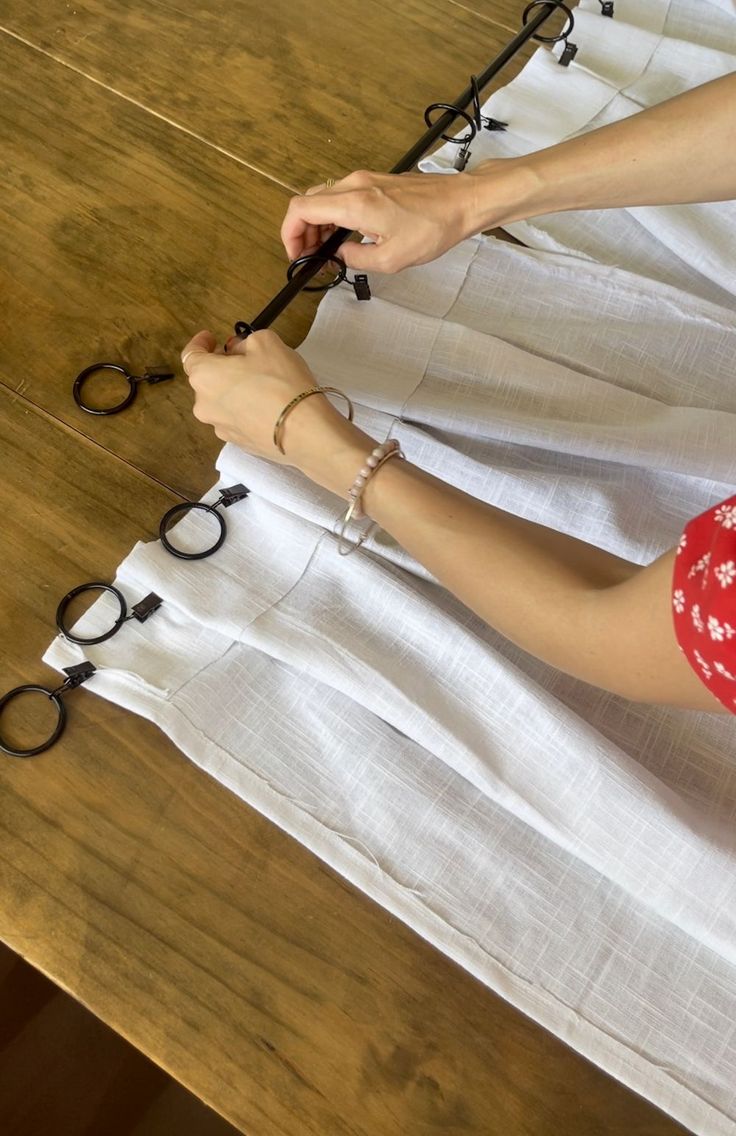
199	347
319	209
237	346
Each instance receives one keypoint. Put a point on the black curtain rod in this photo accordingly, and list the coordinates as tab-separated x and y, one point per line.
328	250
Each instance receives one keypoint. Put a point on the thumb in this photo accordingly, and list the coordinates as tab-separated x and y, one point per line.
199	347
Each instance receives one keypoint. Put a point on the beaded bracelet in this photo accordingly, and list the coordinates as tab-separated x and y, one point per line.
372	464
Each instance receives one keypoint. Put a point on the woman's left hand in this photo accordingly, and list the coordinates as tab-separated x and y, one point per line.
243	393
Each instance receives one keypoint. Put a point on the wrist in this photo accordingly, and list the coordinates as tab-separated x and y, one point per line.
502	190
325	447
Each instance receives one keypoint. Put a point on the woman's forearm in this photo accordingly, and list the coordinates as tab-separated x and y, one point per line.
683	150
532	584
577	607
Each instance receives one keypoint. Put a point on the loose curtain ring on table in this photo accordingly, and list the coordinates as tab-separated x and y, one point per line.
132	380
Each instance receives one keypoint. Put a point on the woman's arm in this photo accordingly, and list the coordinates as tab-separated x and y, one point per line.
682	150
575	606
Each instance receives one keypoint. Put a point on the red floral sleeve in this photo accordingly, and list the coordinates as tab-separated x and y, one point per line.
704	599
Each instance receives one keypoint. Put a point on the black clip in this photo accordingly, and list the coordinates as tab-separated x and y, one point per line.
156	376
146	607
568	54
606	7
230	495
481	121
77	674
461	158
361	286
493	123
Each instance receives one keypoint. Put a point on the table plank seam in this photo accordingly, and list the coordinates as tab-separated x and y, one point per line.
15	394
487	19
148	110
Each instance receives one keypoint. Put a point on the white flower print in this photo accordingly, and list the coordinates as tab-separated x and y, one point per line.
700	566
682	543
726	573
726	516
719	631
678	601
722	671
703	665
697	621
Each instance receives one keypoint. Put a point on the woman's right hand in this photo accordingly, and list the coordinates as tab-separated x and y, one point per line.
411	218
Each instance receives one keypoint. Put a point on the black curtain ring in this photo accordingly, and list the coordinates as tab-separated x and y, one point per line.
94	586
178	511
55	697
563	8
461	114
87	372
342	271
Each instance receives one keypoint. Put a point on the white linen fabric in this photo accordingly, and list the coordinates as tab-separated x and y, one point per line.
574	851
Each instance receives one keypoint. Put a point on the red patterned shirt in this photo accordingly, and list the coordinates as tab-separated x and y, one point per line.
704	599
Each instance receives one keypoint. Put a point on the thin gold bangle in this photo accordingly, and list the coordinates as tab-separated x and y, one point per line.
295	402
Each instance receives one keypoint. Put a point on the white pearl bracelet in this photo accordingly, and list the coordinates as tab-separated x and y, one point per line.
372	464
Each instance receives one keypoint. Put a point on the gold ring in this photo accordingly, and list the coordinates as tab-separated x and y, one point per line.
329	183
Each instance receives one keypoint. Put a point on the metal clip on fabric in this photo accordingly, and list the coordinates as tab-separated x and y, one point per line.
483	122
476	122
227	498
140	611
76	675
132	380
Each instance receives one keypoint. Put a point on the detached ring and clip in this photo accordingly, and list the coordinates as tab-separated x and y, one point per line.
133	383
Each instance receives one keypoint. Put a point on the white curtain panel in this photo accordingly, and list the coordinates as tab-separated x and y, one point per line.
574	851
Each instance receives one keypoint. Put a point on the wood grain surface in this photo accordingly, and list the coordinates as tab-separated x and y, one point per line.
122	237
217	945
302	93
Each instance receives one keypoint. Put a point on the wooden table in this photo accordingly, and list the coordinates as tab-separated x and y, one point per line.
148	152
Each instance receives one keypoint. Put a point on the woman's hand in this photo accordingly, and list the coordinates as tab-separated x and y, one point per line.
243	393
411	218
